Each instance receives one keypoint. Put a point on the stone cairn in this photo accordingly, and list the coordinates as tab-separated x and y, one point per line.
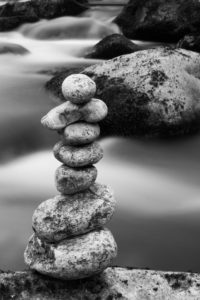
69	240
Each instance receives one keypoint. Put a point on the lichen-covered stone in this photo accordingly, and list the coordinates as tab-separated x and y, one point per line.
70	180
73	258
80	133
67	113
78	156
78	88
69	215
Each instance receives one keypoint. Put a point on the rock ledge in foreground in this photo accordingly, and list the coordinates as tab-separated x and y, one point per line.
113	283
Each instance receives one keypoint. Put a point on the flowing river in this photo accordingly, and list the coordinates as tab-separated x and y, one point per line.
156	183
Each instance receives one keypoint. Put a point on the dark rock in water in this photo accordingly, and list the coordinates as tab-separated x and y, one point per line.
153	92
159	20
16	13
190	42
12	48
112	46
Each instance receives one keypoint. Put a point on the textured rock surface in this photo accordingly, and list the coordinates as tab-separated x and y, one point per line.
70	180
67	113
113	283
78	156
154	92
81	133
150	92
65	216
73	258
159	20
78	88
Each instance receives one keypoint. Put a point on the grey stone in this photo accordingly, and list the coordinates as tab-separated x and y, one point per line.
70	180
114	283
67	113
69	215
78	156
78	88
154	92
81	133
74	258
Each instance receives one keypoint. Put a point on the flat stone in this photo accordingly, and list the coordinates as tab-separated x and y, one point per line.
69	215
78	88
67	113
78	156
74	258
80	133
70	181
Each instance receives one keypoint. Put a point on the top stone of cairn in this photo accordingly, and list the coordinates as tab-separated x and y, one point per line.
78	88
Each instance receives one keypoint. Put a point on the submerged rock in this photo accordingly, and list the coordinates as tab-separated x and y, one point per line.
69	215
16	13
159	20
12	48
72	258
70	27
112	46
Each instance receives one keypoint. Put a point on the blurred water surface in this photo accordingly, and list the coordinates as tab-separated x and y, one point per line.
156	183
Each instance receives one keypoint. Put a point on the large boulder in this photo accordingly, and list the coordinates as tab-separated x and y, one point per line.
159	20
154	92
15	13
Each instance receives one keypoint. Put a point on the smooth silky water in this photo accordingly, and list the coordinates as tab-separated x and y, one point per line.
156	183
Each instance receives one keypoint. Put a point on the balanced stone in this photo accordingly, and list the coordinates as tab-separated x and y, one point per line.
67	113
78	156
80	133
78	88
73	258
69	215
70	181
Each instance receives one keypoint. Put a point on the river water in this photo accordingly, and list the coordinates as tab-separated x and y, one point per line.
156	183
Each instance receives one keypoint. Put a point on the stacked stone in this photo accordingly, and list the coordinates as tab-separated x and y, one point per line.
69	240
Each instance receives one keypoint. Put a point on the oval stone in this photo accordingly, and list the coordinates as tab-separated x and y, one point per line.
81	133
69	215
78	156
67	113
73	258
70	181
94	111
78	88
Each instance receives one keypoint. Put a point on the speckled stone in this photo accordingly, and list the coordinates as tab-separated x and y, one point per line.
69	215
67	113
78	156
80	133
78	88
73	258
70	180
